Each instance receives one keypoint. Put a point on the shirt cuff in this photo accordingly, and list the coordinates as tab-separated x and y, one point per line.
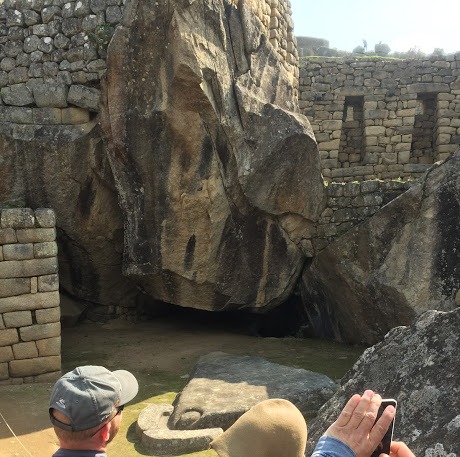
332	447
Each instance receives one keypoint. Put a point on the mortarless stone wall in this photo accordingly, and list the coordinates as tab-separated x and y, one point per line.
381	119
349	203
30	329
53	54
276	17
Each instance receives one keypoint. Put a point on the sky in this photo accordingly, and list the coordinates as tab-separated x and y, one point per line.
402	24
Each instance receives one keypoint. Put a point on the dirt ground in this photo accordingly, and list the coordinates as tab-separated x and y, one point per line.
160	353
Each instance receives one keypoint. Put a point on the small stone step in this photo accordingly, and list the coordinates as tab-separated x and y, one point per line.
157	438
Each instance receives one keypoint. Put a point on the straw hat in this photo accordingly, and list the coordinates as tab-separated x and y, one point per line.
272	428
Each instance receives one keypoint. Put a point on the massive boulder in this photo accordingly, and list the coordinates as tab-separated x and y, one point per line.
216	173
418	366
218	177
399	263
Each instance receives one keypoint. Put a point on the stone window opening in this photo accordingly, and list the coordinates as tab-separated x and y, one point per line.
423	142
351	140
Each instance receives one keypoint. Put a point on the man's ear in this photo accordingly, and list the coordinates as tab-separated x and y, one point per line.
105	432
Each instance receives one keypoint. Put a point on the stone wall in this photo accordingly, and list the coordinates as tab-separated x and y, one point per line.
30	329
276	17
53	52
381	119
349	203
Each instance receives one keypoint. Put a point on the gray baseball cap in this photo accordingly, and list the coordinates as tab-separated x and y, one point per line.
88	395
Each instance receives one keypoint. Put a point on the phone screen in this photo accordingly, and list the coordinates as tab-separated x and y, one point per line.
385	444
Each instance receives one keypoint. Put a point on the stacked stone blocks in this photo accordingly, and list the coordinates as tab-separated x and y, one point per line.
43	116
30	330
53	52
349	203
50	54
407	113
276	18
282	37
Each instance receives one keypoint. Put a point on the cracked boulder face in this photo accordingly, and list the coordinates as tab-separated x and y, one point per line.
217	175
418	366
65	168
399	263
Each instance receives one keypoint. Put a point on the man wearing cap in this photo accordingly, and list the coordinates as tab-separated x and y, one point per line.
86	406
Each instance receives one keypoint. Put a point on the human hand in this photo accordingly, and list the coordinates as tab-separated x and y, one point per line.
355	425
399	449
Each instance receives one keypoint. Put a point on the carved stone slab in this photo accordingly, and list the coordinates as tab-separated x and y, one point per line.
222	387
156	437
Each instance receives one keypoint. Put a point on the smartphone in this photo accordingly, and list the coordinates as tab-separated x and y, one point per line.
385	444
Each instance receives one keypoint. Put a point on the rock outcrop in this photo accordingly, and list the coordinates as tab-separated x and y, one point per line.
222	387
216	173
418	366
394	266
218	177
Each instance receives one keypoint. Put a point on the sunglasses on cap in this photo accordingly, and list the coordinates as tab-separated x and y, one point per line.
119	410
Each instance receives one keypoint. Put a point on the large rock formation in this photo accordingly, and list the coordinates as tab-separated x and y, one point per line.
218	177
399	263
418	366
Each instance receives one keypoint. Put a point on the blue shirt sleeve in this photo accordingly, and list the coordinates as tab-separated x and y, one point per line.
332	447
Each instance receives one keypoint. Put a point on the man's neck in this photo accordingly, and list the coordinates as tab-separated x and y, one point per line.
62	452
88	446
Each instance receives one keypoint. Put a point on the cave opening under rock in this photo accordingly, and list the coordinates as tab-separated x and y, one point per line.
289	319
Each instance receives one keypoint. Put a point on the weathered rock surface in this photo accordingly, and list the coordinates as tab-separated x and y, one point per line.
152	428
218	177
222	387
418	366
399	263
64	168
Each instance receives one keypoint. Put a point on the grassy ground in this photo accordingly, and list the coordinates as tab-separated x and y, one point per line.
160	354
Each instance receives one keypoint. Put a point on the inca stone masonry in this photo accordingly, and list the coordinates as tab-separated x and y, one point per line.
379	125
382	119
53	52
30	331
